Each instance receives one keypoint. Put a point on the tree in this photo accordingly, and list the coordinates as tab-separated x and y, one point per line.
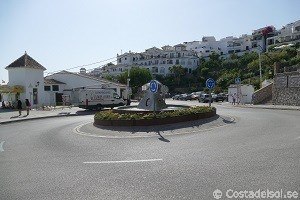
178	71
138	77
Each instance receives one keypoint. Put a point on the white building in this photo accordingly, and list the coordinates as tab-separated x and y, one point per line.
288	34
157	61
27	81
28	75
224	47
241	93
73	80
260	36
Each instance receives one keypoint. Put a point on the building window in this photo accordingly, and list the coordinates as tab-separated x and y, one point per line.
162	70
170	61
47	88
154	69
125	58
120	60
55	88
177	62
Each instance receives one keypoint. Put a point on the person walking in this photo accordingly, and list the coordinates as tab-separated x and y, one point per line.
28	105
19	107
234	99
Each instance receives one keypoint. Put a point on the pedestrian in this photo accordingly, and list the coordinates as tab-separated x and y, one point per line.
19	107
233	98
28	105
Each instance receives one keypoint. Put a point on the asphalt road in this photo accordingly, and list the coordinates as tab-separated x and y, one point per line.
45	159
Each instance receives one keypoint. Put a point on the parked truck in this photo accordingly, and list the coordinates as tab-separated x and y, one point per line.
96	98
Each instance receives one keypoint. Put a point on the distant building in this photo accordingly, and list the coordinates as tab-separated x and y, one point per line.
288	34
224	47
260	36
157	61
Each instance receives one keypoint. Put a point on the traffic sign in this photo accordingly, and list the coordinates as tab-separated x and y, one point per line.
237	80
153	86
210	83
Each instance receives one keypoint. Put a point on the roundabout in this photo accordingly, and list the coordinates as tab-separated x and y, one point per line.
191	127
152	110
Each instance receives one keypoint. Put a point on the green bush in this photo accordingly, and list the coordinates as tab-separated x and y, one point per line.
110	115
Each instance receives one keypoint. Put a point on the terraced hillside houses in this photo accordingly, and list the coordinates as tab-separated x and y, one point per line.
157	60
187	54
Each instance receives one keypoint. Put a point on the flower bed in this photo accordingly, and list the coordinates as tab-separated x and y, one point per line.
109	118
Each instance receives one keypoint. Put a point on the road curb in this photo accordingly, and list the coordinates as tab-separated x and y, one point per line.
173	132
37	118
269	108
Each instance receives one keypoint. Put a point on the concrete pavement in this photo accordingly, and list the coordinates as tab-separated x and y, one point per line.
9	116
46	160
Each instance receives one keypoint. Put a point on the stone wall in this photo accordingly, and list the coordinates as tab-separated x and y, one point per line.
263	95
286	89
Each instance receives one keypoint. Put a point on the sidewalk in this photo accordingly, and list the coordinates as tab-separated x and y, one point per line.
266	106
9	116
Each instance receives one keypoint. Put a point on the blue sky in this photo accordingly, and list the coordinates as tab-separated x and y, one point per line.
62	34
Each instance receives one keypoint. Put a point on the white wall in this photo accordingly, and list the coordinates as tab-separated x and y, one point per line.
28	78
244	96
75	81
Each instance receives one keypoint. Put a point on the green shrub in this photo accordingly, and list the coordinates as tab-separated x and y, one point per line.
109	115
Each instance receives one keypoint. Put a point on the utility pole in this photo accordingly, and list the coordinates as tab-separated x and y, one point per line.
259	60
260	74
128	88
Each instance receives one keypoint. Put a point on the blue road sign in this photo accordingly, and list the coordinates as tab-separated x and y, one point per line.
153	86
237	80
210	83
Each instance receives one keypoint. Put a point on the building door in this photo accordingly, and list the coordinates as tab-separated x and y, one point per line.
35	95
58	99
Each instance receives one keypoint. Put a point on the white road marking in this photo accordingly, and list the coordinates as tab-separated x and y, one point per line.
122	161
1	146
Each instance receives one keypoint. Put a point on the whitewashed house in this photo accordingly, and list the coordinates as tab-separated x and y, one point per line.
27	81
70	81
28	74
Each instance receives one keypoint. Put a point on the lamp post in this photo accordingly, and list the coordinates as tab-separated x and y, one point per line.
259	60
128	89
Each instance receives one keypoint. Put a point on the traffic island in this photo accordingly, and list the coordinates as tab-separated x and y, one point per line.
111	118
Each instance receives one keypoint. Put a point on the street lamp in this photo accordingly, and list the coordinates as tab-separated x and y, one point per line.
259	60
128	88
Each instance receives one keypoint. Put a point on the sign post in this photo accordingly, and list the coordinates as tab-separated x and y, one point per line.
238	88
210	84
153	89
